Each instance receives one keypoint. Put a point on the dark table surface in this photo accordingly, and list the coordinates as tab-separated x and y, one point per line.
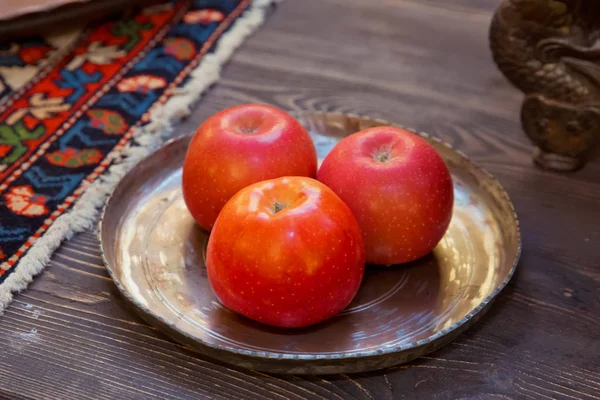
422	63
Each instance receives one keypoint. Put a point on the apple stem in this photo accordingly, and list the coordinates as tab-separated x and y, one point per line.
277	206
382	155
248	130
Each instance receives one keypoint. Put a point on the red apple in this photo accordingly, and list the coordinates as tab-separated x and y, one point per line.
240	146
398	188
286	252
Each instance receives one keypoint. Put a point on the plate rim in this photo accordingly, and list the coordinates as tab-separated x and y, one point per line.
274	356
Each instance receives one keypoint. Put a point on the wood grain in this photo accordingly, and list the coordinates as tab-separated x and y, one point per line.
424	64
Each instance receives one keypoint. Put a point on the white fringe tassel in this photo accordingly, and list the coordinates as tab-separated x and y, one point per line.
144	141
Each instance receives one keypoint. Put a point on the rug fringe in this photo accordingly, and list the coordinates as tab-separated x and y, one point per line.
84	212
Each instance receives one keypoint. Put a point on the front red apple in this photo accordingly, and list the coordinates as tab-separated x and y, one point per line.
286	252
398	188
240	146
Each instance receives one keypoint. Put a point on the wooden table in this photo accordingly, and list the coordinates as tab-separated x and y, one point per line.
423	63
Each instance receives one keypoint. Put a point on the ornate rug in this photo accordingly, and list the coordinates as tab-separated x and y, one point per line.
79	108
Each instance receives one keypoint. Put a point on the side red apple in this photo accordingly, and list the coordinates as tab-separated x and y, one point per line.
240	146
397	186
286	252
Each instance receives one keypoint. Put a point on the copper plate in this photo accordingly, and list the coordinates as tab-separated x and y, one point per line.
155	254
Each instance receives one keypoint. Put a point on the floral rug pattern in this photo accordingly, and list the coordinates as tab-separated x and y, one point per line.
70	102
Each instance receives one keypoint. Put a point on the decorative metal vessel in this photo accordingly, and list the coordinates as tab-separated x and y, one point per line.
550	50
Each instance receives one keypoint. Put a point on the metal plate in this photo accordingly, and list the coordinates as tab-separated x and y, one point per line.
155	254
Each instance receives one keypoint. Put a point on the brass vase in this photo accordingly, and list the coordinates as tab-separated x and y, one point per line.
550	50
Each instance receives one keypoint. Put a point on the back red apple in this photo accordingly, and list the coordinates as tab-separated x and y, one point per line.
240	146
398	188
